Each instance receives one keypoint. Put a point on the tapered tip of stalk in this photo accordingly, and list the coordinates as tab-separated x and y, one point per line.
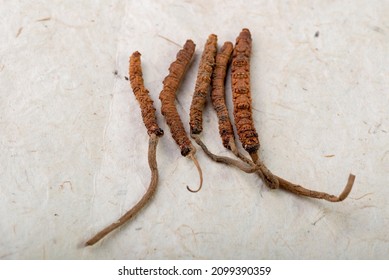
192	157
89	243
347	188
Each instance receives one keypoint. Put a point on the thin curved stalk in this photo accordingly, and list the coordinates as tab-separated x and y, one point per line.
299	190
244	164
153	141
226	160
196	163
249	167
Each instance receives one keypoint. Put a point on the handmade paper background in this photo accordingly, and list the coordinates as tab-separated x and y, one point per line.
73	148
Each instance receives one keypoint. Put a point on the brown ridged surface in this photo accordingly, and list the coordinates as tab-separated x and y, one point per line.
218	94
203	83
142	95
241	93
168	97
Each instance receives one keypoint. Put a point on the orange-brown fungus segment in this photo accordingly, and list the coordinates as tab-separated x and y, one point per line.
218	94
241	94
203	83
142	95
168	97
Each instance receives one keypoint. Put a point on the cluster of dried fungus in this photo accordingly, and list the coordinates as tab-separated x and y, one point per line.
211	77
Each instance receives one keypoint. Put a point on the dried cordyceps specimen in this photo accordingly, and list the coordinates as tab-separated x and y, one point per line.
218	98
241	94
142	95
218	94
256	165
168	95
203	83
244	121
150	121
225	126
218	101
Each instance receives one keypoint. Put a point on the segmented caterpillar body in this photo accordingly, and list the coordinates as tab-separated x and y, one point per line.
167	96
203	83
142	95
241	93
218	94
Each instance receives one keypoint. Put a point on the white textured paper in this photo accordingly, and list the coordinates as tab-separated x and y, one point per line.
74	149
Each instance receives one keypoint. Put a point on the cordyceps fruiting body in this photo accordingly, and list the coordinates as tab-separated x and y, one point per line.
150	121
167	96
203	83
241	94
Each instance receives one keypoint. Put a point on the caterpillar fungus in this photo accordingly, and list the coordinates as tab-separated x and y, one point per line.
203	82
240	77
205	75
241	94
167	96
212	68
218	95
215	71
225	127
154	132
227	135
